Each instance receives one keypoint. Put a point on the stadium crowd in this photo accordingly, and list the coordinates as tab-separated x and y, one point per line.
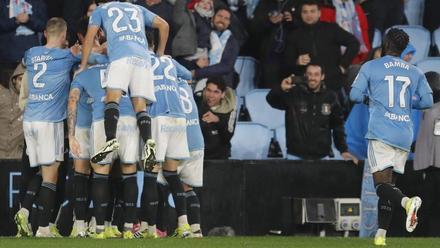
309	53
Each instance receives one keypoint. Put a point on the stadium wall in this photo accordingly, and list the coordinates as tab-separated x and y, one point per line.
247	195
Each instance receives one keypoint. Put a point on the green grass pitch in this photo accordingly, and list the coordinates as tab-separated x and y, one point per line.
251	242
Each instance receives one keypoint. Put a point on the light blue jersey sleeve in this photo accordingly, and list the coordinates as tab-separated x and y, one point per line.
148	17
182	72
96	18
76	83
359	87
424	93
84	107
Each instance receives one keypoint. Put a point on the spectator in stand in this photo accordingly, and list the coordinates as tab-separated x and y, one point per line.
313	113
11	117
239	22
223	53
20	23
351	18
192	25
217	114
271	22
164	9
321	43
382	15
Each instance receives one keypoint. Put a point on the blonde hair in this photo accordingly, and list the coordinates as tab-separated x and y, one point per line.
55	27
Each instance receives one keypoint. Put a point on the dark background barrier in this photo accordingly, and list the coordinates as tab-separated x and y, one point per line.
247	195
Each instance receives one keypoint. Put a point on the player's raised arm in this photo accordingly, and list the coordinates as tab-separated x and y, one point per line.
95	23
87	46
164	30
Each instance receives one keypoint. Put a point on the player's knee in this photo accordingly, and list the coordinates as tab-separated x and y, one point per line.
113	95
101	169
139	104
49	173
171	164
128	168
82	166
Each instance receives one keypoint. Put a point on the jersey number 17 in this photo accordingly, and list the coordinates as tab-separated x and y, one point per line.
406	82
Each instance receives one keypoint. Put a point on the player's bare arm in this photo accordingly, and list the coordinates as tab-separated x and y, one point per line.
87	46
71	119
164	30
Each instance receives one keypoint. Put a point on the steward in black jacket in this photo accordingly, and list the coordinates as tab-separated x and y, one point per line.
312	113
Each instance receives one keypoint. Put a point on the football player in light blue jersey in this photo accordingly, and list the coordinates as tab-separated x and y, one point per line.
48	69
130	66
392	88
169	130
89	83
191	170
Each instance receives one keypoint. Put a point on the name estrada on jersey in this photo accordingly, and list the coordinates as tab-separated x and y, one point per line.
48	82
124	26
393	88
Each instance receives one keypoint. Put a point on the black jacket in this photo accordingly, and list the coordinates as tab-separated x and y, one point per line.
218	135
322	42
310	119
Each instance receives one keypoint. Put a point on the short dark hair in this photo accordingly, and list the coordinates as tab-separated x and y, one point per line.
218	81
101	1
223	8
395	41
310	2
83	24
316	64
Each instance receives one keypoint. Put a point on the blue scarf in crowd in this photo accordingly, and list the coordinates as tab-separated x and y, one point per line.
218	44
348	19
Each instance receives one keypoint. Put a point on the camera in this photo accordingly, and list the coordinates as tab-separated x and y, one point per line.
298	79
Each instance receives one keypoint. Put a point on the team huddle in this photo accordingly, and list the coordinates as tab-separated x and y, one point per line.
125	103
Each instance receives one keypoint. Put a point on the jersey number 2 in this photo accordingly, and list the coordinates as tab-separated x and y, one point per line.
39	74
406	82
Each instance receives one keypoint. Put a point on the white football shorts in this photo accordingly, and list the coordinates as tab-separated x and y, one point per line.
382	156
82	135
127	135
170	136
190	171
133	75
45	142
